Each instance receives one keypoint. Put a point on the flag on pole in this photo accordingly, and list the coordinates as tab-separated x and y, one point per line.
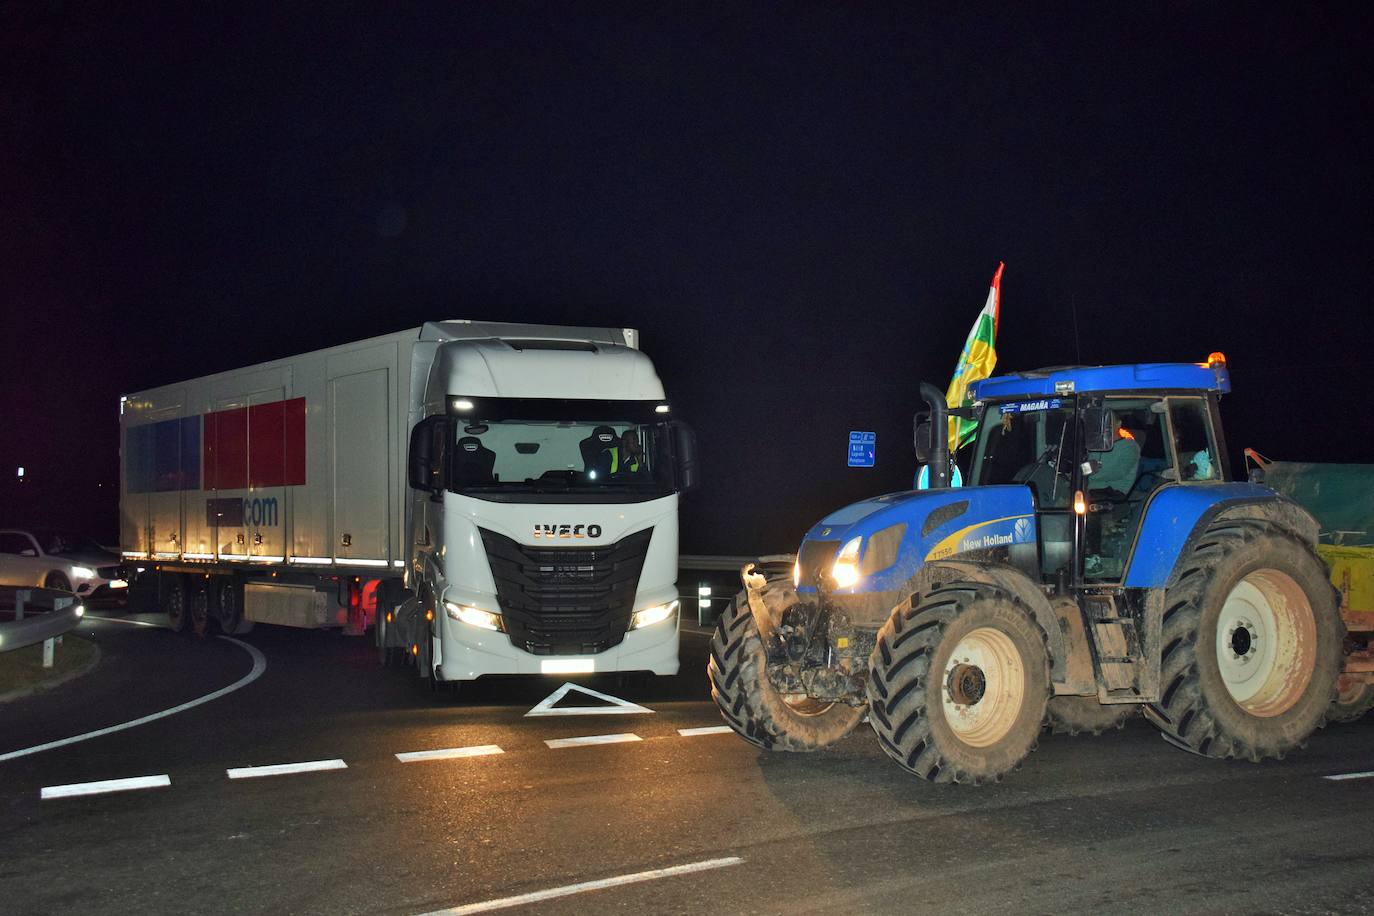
976	362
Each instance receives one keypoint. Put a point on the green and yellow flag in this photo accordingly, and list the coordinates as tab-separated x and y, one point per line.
976	362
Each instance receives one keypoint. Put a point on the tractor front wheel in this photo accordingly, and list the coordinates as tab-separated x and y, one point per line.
958	684
752	706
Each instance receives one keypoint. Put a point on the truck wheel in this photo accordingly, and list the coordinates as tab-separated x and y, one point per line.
1353	700
752	706
958	684
1252	644
198	606
1071	715
174	601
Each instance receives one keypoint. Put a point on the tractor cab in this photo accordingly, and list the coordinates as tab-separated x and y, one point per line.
1093	446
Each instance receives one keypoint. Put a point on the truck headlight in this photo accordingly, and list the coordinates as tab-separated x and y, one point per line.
473	617
653	615
83	572
845	572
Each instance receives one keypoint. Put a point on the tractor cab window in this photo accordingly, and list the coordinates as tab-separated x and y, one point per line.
1028	442
1197	450
1140	459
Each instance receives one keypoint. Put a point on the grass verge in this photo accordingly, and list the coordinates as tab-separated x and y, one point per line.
22	671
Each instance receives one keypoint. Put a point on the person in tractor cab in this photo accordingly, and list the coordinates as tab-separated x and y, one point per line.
1120	465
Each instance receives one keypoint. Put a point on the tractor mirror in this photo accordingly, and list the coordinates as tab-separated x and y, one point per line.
922	440
1097	429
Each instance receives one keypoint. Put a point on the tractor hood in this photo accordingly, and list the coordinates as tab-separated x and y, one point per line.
898	532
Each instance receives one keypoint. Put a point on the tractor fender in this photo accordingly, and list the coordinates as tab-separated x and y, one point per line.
1178	514
1011	580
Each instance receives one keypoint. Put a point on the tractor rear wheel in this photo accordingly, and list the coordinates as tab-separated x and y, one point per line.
958	684
752	706
1071	715
1252	644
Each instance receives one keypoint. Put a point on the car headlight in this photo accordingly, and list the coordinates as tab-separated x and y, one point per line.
652	615
845	572
83	572
473	617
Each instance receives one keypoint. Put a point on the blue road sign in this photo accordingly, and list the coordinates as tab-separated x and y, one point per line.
862	447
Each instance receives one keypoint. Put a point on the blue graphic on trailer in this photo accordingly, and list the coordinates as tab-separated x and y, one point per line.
863	446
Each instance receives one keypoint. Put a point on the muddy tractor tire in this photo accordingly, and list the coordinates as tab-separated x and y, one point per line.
1251	644
1071	715
958	684
1353	700
752	707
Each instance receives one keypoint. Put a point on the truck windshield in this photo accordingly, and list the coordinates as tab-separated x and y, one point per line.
619	459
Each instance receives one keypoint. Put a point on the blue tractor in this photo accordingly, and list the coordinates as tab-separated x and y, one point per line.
1099	562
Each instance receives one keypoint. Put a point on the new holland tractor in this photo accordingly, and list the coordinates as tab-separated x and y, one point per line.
1098	562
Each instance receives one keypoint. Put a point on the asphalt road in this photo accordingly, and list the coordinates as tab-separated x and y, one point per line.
1117	823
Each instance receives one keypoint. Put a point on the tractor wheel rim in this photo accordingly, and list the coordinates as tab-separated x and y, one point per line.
984	687
1266	643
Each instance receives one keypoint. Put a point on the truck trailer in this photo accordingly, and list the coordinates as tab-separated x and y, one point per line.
507	492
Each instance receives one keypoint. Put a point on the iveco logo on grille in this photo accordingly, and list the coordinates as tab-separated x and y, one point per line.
567	531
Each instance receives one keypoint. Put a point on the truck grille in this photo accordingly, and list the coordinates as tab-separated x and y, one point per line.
566	600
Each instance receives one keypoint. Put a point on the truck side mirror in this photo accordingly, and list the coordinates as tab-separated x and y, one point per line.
686	468
1097	429
922	439
429	454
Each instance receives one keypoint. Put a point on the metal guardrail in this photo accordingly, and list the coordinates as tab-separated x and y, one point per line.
40	615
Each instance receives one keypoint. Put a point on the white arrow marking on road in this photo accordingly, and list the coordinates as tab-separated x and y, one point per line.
556	743
708	730
259	666
104	786
283	769
1338	776
569	889
449	753
618	707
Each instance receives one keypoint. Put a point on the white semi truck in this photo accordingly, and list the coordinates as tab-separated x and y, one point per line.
508	492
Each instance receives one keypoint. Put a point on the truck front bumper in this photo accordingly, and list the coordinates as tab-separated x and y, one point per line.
467	653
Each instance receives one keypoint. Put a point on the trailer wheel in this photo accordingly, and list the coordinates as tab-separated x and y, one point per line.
198	606
756	711
1252	644
174	601
229	605
1353	700
958	684
1071	715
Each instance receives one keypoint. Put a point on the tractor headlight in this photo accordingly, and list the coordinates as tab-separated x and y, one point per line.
653	615
796	574
845	572
473	617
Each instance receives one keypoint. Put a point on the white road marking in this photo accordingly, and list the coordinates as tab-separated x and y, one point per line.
259	666
283	769
104	786
545	706
708	730
137	623
1339	776
556	743
449	753
568	890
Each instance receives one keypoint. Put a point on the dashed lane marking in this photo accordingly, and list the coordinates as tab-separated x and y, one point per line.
1339	776
259	666
708	730
557	743
568	890
284	769
449	753
104	786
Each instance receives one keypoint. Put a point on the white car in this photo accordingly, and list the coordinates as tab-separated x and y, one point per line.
61	560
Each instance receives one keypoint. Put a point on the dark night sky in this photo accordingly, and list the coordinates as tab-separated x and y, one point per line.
800	206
